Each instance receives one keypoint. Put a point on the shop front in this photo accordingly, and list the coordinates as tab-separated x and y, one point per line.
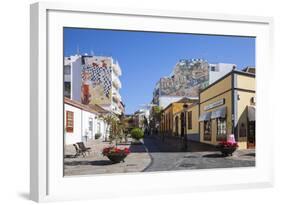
227	107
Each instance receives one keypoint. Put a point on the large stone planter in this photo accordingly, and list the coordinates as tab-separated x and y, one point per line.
116	158
227	151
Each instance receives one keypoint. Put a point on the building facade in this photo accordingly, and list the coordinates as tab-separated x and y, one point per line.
82	122
226	107
186	123
94	80
72	77
173	118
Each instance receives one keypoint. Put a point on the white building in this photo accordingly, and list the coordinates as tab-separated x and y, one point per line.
216	71
82	122
101	75
72	77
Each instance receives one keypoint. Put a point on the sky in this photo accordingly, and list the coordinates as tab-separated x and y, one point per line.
145	57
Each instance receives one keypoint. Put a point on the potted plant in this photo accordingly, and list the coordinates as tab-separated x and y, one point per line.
137	134
115	154
227	147
97	135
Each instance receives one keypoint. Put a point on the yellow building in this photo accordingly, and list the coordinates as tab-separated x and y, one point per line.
228	107
168	127
186	123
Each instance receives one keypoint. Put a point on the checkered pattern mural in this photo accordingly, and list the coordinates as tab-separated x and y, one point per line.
99	75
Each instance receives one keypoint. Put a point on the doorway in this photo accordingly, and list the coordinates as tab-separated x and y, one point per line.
251	142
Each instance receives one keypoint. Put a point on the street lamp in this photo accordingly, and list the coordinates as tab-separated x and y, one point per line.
185	107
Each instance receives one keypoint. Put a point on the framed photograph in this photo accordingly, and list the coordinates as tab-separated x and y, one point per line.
130	102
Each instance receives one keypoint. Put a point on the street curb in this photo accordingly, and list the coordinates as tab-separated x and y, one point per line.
151	159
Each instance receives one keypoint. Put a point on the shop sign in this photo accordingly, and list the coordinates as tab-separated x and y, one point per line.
214	104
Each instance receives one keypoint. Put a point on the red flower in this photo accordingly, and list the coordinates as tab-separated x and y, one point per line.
112	149
126	150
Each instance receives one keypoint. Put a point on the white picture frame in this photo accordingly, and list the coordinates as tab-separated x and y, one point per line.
46	101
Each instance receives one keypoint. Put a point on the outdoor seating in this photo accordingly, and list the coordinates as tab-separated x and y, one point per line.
78	151
83	148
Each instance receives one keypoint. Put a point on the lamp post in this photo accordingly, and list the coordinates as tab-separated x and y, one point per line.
185	106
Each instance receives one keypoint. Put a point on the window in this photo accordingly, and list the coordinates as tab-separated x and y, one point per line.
67	70
67	89
69	121
189	120
91	124
98	127
207	130
213	68
221	129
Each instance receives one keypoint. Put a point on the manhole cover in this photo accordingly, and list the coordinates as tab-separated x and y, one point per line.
190	157
186	165
130	165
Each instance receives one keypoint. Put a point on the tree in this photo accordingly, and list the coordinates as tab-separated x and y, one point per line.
155	118
115	127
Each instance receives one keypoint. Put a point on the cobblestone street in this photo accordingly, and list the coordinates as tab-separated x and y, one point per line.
194	158
153	155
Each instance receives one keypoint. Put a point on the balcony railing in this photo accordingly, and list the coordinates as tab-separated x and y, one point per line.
117	69
117	82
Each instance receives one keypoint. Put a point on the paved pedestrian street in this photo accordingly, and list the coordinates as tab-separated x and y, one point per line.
153	155
194	158
96	163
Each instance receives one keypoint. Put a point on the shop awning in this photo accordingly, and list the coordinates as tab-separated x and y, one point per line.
205	116
219	113
251	113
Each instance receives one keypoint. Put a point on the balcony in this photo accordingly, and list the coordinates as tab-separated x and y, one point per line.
117	83
117	69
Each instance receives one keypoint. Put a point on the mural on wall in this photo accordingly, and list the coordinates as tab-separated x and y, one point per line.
187	78
96	85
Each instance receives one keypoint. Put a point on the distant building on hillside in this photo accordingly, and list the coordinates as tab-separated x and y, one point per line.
187	79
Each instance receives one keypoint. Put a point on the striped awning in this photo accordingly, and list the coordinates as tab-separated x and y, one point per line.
219	113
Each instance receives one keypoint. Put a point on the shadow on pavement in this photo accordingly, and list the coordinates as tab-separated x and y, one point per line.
213	156
69	156
250	154
137	148
174	144
97	163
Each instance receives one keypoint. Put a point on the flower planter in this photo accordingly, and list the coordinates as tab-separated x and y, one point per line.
116	158
115	154
227	147
226	151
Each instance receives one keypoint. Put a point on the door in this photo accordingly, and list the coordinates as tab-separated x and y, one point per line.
251	142
177	125
90	128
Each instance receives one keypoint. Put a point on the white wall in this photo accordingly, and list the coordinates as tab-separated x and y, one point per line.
76	80
76	135
81	131
14	172
164	101
85	124
222	69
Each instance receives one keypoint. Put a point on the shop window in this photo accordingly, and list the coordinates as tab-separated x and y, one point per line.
207	130
189	120
69	121
221	129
